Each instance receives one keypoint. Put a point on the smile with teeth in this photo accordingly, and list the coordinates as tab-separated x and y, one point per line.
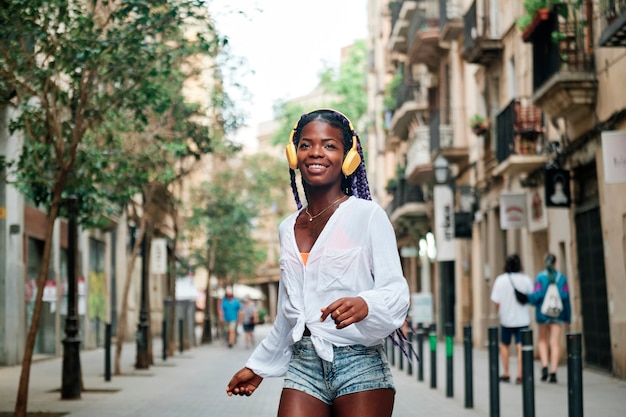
316	166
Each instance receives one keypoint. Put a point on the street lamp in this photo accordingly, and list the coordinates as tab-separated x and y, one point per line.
441	167
443	197
71	386
141	361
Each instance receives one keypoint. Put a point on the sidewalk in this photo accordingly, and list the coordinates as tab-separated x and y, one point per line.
193	384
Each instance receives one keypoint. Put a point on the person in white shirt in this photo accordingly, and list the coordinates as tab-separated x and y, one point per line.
514	316
342	290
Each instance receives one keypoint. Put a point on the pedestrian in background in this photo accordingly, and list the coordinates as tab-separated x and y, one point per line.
514	316
341	286
549	340
250	319
230	315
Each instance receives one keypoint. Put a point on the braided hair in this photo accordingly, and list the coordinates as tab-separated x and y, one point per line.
355	184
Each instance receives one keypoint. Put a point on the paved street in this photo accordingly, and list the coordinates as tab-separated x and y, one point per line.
193	383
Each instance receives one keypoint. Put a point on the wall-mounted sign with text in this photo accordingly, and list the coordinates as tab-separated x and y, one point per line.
444	223
614	156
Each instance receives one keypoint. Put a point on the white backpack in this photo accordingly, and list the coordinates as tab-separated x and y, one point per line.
552	305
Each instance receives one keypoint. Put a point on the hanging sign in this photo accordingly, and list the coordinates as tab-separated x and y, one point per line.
536	209
513	211
557	188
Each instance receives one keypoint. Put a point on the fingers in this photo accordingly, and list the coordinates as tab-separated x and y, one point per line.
345	311
244	382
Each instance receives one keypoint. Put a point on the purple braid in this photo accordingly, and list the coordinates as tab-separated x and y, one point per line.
294	188
359	181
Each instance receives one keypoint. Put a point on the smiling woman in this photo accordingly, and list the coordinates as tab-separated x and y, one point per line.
341	286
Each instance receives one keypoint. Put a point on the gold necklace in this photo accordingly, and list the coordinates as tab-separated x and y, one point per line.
311	218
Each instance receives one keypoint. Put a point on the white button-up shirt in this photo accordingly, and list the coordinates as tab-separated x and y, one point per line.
355	255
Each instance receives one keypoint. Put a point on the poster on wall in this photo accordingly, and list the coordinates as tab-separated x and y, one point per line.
614	156
513	211
536	209
444	223
557	188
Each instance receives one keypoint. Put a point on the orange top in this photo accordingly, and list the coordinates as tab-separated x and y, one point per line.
305	257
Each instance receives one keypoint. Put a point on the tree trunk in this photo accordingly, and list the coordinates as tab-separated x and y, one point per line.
208	302
123	318
172	293
21	403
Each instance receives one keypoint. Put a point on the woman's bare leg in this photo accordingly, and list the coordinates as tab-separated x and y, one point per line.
371	403
294	403
542	344
555	346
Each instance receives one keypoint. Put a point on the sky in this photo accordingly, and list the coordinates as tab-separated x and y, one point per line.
286	43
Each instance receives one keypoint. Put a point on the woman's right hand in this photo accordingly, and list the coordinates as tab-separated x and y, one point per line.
244	382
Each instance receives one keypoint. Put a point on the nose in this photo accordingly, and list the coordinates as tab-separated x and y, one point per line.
316	150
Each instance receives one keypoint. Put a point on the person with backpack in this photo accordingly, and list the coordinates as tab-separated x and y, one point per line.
551	299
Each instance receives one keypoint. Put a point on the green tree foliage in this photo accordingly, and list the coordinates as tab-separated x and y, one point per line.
225	211
94	89
344	87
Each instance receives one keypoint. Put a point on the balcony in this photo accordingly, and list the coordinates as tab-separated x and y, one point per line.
481	44
401	13
612	23
442	139
408	210
564	82
423	35
519	138
450	19
418	166
411	99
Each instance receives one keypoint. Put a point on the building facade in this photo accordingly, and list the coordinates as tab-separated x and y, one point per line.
519	110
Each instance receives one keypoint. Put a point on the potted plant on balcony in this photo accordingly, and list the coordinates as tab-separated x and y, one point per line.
538	12
479	124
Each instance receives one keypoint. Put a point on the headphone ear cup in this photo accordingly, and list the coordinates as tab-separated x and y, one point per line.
292	157
352	160
291	151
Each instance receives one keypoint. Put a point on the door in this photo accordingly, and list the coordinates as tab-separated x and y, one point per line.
594	303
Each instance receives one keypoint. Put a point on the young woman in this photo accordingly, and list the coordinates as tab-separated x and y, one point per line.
549	338
341	287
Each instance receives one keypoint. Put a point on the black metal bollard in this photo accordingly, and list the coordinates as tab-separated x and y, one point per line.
392	350
420	352
180	335
164	338
432	337
449	360
107	352
494	387
528	377
409	365
469	387
574	375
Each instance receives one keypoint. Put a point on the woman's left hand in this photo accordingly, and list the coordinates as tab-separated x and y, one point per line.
346	311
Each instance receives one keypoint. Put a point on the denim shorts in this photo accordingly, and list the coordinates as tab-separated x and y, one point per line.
510	332
354	368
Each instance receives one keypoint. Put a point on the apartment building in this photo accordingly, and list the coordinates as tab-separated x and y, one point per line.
501	130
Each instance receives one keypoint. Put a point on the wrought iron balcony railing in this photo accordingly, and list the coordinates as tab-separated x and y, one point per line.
519	129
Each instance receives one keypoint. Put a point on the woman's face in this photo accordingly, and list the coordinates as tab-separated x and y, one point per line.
320	154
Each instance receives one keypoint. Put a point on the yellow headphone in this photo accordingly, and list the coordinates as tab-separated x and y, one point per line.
351	161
